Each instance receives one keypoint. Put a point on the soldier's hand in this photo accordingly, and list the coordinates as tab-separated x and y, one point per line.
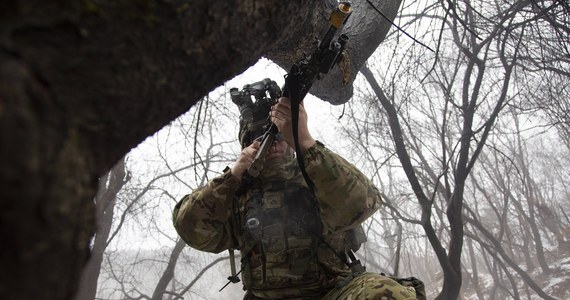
281	116
245	159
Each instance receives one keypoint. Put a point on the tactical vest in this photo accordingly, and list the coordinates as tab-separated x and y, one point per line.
278	232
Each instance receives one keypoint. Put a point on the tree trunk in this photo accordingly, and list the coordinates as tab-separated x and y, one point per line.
398	249
109	187
81	83
168	273
474	272
371	27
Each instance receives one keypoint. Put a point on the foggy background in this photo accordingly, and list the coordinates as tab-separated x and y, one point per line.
484	120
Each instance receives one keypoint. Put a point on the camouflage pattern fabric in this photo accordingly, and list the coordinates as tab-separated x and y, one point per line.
286	259
345	197
202	218
415	283
371	286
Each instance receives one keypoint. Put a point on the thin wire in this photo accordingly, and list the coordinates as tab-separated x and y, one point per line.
398	27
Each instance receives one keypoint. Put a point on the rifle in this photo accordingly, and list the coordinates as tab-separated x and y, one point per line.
298	82
301	78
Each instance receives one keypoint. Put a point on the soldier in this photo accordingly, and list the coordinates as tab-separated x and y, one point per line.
295	243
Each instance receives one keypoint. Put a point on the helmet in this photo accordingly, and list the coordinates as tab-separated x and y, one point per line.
254	116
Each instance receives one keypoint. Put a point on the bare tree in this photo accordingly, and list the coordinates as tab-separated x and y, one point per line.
441	119
109	186
185	154
168	274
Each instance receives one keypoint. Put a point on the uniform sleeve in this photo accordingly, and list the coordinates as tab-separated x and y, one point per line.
202	219
346	197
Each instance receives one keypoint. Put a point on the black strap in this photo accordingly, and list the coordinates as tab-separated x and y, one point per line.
296	92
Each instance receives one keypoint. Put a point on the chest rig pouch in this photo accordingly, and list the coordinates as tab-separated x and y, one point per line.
280	236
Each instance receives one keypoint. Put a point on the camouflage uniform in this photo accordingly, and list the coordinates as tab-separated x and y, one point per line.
371	286
292	245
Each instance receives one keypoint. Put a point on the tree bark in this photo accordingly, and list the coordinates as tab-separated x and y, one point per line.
366	29
81	83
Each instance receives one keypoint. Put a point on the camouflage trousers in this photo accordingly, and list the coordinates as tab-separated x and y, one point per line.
371	286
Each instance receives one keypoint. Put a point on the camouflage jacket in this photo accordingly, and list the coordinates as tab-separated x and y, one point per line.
303	263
